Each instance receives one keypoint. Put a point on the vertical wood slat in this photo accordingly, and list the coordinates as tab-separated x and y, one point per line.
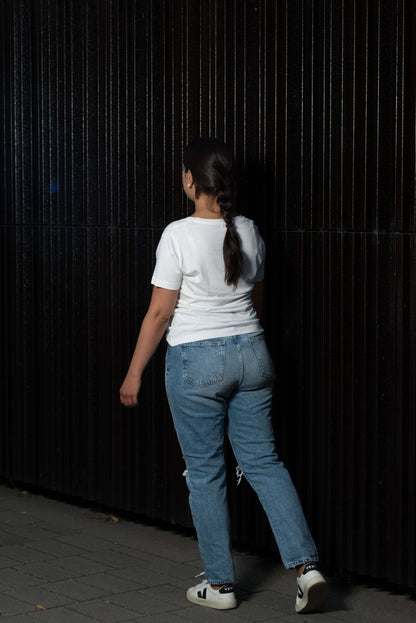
319	100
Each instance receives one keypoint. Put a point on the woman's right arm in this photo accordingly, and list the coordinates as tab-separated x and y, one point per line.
152	330
257	298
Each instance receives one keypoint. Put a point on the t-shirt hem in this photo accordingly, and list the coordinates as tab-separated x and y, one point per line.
197	336
165	284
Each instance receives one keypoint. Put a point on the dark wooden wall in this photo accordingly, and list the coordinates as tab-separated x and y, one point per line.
97	99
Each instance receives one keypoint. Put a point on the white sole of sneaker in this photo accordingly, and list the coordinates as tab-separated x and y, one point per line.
314	598
218	605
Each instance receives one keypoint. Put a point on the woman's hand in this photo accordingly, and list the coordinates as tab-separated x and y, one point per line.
151	332
129	390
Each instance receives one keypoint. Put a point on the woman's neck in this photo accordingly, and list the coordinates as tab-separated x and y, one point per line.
206	206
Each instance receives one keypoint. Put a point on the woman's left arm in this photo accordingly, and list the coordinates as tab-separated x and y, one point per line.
153	327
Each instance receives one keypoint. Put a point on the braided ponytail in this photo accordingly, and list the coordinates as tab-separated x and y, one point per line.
212	166
233	258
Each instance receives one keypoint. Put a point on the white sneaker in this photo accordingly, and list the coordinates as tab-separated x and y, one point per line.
312	589
203	595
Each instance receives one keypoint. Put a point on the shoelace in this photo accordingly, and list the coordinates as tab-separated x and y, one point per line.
199	574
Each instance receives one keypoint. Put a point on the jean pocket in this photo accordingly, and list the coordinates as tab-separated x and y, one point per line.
262	355
203	362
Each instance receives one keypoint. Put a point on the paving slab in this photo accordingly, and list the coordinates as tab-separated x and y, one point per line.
31	532
49	571
166	593
177	570
84	542
317	617
9	517
37	596
76	590
24	554
63	615
105	610
55	548
20	618
11	605
143	603
8	538
110	584
79	566
361	604
164	617
257	611
5	563
144	576
13	578
112	559
273	599
200	614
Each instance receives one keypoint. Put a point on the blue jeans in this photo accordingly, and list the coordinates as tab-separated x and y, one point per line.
224	386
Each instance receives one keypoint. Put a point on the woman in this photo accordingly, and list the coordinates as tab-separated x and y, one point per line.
219	375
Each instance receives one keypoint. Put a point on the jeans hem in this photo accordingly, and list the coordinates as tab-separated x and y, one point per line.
301	561
218	582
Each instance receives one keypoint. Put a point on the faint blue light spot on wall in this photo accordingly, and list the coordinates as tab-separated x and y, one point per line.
53	187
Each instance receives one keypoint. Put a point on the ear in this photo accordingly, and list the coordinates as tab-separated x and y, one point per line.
189	179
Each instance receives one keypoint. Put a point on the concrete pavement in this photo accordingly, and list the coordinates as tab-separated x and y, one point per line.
61	563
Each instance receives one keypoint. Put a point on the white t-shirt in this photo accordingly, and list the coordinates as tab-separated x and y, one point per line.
189	258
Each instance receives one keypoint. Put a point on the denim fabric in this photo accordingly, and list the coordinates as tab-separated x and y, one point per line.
224	386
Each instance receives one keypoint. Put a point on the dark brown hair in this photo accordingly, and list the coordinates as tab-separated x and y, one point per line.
212	165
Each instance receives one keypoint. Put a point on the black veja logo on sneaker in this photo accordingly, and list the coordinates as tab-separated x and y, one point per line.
300	592
227	588
310	566
202	594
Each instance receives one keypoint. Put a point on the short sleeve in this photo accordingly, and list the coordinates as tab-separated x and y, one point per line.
167	273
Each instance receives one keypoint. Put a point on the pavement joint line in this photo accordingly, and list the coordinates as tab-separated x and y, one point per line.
152	568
